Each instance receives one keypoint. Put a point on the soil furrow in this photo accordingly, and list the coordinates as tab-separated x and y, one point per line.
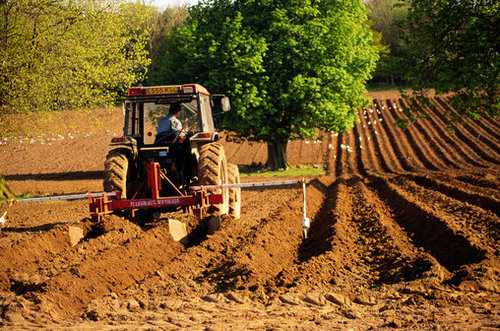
390	255
490	125
412	151
326	256
371	146
481	182
487	135
354	242
458	132
407	153
99	238
360	165
348	166
469	139
381	141
366	149
459	193
416	141
351	157
271	248
427	229
66	294
455	214
24	256
405	233
50	253
183	275
436	143
398	144
452	140
476	183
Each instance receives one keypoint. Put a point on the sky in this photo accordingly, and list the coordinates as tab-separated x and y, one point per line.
162	4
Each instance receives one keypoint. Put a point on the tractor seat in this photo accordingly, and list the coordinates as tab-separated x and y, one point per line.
165	138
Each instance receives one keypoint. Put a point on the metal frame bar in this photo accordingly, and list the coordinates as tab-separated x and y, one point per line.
247	185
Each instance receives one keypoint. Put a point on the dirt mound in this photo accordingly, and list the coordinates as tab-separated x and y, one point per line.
404	233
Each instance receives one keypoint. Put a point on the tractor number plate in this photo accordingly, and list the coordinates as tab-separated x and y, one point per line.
162	90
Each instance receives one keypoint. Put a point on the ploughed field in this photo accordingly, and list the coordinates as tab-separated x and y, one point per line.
404	233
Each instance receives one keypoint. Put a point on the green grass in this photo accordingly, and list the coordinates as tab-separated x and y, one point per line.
22	196
290	172
376	87
27	196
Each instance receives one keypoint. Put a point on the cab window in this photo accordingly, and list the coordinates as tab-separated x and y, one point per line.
207	122
154	112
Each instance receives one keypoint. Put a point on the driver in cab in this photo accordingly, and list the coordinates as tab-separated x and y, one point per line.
169	126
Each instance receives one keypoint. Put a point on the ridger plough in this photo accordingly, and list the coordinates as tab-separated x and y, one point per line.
200	198
101	204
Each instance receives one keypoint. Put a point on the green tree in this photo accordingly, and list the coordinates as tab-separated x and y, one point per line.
69	54
291	67
454	47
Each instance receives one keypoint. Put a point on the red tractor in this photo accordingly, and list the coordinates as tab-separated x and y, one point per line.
154	177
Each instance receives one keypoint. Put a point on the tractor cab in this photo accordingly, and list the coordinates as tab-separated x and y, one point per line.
178	156
144	107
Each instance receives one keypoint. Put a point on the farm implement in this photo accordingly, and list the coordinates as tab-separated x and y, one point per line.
201	197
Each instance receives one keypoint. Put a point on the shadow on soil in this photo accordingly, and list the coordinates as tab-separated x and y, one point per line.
75	175
322	230
39	228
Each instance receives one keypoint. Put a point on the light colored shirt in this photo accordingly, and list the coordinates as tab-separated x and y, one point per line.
169	125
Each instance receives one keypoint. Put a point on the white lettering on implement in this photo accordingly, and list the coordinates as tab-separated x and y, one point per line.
153	203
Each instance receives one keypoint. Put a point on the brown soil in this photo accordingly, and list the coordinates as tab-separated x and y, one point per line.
404	234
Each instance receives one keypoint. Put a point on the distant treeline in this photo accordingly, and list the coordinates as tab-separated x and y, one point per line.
83	53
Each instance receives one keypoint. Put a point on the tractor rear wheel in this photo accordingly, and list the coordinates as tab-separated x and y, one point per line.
233	174
117	173
212	170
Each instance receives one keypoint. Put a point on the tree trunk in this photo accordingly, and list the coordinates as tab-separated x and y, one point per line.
276	154
5	192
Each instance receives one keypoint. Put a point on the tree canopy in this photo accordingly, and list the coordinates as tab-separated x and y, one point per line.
68	54
453	46
290	67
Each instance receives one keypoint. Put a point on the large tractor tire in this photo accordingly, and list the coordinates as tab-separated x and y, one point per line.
212	170
118	169
233	174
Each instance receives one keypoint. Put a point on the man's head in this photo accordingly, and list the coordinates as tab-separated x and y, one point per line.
175	109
